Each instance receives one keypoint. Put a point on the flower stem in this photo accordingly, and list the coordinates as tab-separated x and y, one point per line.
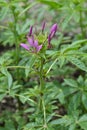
41	74
41	99
41	83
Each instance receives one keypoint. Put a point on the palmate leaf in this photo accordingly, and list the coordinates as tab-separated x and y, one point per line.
78	63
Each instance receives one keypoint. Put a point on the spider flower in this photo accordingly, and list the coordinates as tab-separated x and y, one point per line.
33	44
43	26
54	28
30	32
53	31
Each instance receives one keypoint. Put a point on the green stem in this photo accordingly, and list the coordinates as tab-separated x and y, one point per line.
41	83
81	25
42	104
41	74
15	36
16	41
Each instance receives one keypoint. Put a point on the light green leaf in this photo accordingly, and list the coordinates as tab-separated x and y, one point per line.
67	20
3	13
78	63
61	96
8	75
61	61
65	120
79	42
72	126
30	64
83	118
51	3
71	82
2	96
83	122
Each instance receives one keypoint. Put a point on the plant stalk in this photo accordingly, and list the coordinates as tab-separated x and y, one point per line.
41	100
17	51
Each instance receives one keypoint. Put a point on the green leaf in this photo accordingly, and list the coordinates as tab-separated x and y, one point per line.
2	96
4	13
83	125
72	126
8	75
25	27
71	82
78	63
79	42
83	118
23	99
51	3
74	102
84	100
61	61
83	122
30	64
66	21
61	96
64	120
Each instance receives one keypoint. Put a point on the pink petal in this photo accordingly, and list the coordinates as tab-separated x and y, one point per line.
30	40
54	28
35	43
52	34
39	47
25	46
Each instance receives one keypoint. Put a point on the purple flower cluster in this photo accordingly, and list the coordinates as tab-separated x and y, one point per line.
33	45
